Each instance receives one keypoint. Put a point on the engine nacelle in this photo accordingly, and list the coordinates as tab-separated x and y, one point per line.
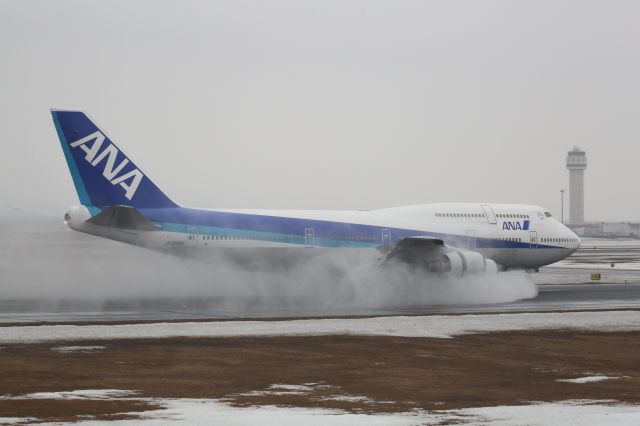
460	263
75	217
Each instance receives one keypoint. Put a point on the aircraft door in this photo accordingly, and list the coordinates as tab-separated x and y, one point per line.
386	238
308	237
533	239
491	216
192	237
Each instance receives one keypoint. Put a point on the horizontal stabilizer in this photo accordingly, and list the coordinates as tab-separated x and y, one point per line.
123	217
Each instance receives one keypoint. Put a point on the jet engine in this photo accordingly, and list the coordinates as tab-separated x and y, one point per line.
458	263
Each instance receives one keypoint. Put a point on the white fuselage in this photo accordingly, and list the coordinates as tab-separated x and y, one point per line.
513	235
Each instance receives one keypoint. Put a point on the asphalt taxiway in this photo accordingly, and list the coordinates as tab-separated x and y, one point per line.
551	297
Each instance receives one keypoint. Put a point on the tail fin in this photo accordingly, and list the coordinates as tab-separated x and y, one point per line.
101	172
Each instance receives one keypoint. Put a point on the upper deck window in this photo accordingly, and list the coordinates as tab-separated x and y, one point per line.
547	214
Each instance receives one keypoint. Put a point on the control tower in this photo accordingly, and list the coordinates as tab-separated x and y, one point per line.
576	164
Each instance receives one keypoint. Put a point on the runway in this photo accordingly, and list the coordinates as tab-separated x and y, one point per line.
556	297
44	282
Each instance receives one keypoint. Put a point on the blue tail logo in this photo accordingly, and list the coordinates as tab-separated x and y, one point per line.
129	181
102	174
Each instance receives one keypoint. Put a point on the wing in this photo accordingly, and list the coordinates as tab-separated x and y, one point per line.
434	256
415	250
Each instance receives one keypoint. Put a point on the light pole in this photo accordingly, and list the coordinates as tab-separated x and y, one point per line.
562	205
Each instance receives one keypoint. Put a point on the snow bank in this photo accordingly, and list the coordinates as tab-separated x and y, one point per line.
582	413
209	411
438	326
588	379
65	349
76	394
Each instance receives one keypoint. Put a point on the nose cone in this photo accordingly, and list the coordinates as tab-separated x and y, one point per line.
574	241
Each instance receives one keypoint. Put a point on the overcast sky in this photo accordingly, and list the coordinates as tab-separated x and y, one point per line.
329	104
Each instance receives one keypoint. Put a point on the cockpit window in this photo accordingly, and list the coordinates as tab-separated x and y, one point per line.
547	214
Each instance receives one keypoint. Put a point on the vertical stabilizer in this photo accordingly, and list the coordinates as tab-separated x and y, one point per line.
103	175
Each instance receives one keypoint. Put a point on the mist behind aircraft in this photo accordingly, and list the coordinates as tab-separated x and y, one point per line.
56	269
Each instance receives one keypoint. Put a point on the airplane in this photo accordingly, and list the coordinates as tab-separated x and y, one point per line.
119	201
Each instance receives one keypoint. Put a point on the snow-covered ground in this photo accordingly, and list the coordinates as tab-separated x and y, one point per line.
596	256
588	379
558	273
439	326
91	394
565	413
590	243
210	411
65	349
603	266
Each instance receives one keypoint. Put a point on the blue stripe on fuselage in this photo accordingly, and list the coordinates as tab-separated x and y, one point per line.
326	233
